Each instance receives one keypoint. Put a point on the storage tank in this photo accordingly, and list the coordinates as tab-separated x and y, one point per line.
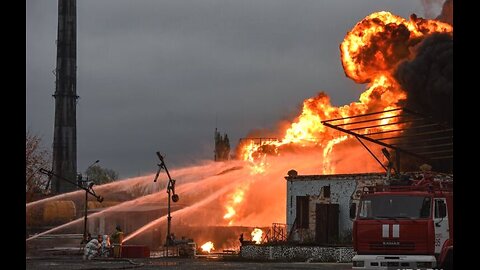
51	213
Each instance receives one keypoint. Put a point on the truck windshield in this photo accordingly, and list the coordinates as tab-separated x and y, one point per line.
395	206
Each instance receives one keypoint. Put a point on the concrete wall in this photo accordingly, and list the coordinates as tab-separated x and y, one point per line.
297	253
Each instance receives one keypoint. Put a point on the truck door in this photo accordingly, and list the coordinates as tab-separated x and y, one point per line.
440	221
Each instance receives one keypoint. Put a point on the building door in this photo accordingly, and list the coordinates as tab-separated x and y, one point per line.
326	225
302	212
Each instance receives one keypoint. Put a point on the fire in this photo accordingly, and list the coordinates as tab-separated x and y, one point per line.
230	212
257	235
327	166
208	247
234	200
380	41
370	53
308	131
256	153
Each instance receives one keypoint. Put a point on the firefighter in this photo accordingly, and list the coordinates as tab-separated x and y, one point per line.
241	239
92	248
117	239
105	246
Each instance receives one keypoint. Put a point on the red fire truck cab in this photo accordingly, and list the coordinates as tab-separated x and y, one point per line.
404	226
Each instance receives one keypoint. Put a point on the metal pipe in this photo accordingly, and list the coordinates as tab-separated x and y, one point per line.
415	135
442	157
369	120
383	125
430	146
88	190
394	130
379	162
422	141
371	140
382	132
437	152
367	114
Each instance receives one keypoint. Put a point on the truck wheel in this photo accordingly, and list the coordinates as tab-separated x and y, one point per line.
448	263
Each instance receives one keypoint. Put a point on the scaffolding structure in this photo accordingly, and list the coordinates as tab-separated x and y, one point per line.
258	140
402	130
276	234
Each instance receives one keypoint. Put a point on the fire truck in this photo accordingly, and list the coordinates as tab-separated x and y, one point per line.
404	225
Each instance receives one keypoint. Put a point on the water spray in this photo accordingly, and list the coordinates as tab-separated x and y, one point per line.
88	190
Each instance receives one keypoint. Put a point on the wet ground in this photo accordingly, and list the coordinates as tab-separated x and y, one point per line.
76	263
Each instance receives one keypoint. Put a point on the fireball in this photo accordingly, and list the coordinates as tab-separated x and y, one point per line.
370	52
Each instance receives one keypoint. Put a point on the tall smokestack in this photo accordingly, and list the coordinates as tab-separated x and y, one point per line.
65	130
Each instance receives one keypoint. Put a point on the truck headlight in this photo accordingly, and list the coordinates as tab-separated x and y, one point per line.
358	263
424	264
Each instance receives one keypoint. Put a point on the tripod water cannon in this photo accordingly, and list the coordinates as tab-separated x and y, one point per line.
171	182
88	189
172	196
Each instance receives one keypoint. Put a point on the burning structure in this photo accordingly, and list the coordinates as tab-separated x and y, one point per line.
392	55
388	53
383	51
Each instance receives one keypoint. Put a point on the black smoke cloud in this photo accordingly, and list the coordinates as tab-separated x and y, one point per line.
428	81
447	12
428	78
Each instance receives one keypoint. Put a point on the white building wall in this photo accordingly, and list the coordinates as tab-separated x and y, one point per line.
343	188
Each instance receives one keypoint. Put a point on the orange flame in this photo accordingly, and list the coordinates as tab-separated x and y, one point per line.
327	166
370	52
380	41
257	235
234	200
208	247
308	131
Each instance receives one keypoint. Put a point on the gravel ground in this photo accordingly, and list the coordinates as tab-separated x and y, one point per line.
76	263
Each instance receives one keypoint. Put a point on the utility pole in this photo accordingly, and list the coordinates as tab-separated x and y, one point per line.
65	130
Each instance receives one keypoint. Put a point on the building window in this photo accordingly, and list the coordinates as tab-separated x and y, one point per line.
326	191
302	212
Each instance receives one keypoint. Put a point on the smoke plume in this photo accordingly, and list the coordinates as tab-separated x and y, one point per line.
447	12
431	8
428	78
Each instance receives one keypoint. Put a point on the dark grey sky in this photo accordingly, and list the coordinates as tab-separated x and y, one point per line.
160	75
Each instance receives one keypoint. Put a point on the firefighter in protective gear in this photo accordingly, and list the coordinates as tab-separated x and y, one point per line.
105	246
91	248
117	239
